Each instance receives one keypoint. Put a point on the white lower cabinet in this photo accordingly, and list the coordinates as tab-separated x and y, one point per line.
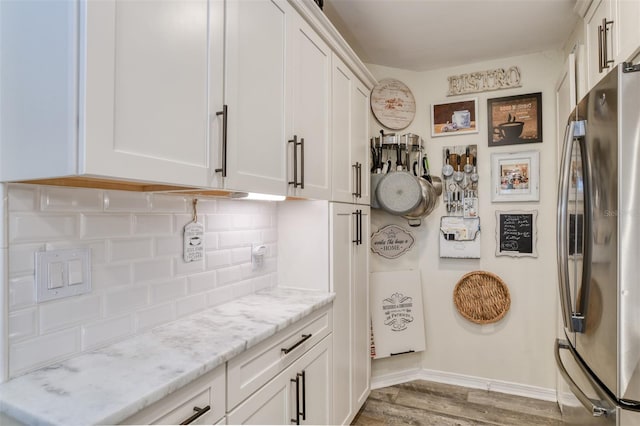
202	401
298	395
286	374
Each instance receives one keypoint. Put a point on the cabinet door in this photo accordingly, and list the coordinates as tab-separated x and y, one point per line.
360	152
311	91
349	127
600	10
145	95
627	24
342	264
275	402
255	93
361	317
350	282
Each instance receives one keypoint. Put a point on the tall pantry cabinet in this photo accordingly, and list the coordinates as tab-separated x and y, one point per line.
350	233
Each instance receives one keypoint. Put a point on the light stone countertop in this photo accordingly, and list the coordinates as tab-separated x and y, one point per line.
107	385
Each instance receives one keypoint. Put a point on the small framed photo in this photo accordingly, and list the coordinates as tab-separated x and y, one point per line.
515	119
515	176
454	118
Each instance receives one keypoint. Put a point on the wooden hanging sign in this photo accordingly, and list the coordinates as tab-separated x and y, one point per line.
391	242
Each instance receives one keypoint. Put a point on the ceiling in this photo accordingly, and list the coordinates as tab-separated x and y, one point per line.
420	35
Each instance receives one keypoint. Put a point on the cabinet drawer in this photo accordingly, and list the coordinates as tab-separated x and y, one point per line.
253	368
206	391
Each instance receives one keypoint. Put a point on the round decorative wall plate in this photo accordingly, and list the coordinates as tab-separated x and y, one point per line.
393	104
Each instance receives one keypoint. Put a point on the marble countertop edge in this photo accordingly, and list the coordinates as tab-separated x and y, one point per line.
19	395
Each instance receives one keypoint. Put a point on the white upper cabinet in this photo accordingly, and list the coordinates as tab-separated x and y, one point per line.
350	125
256	70
311	94
612	35
115	89
627	17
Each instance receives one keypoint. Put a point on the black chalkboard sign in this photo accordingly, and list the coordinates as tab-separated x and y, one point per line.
516	233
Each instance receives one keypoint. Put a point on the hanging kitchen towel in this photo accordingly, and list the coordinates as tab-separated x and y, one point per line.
396	312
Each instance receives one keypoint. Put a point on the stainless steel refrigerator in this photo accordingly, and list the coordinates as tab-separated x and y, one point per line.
598	232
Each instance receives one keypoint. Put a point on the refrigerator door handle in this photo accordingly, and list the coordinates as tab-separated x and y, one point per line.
582	302
594	406
561	231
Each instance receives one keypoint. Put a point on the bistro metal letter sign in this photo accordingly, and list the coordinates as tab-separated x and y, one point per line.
391	242
484	81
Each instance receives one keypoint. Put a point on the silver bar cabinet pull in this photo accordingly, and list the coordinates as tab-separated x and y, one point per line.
224	114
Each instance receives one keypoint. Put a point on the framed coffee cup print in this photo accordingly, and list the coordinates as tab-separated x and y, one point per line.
515	119
515	176
454	118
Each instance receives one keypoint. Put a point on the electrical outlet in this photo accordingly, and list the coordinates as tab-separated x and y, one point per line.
62	273
258	252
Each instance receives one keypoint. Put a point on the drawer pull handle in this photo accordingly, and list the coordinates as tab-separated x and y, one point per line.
198	413
305	337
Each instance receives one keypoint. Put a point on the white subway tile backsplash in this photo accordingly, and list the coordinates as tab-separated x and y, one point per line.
190	304
21	291
66	312
139	279
206	206
181	267
98	251
125	300
153	224
151	317
211	241
269	235
110	275
219	296
170	203
70	199
169	246
127	201
30	227
105	225
22	324
229	275
22	198
238	206
130	248
199	283
169	290
241	255
43	349
156	269
22	258
218	259
98	333
241	221
238	238
218	222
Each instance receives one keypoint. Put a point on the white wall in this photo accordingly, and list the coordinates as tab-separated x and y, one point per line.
519	348
139	278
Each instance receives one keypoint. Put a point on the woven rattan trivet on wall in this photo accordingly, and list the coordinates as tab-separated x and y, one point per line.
481	297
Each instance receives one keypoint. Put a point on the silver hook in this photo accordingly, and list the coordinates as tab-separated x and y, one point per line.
195	210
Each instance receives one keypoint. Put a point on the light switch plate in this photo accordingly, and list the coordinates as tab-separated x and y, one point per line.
62	273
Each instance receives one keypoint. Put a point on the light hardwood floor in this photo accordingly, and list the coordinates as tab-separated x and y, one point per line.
427	403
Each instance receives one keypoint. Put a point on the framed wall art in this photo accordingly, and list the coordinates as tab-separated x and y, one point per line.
515	119
454	118
515	176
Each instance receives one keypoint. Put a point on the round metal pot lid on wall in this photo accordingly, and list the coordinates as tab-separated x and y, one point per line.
399	193
393	104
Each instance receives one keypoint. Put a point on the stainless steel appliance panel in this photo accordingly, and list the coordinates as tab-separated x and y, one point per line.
582	402
597	344
629	240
